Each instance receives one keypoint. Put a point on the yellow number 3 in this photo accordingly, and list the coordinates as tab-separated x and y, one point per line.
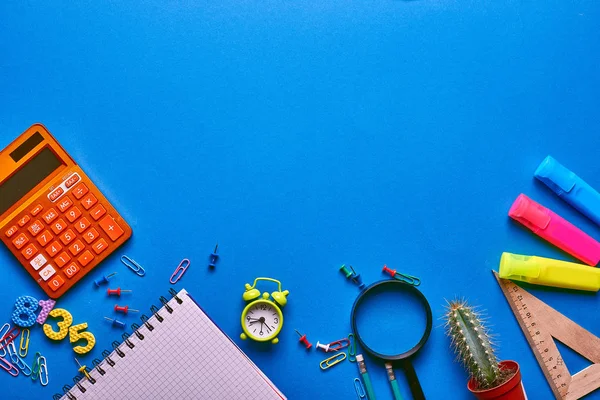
75	335
75	332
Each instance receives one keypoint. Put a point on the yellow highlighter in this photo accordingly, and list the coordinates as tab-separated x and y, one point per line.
549	272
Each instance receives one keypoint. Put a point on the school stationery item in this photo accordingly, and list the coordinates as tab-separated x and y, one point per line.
338	345
371	293
360	389
117	292
8	337
144	367
362	369
75	332
322	346
35	367
116	323
43	371
331	361
411	280
53	219
393	382
541	325
179	271
24	343
549	272
570	188
213	258
82	369
9	367
555	229
262	318
303	340
104	279
133	265
124	309
352	348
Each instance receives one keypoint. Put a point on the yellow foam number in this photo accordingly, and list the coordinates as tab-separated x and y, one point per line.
63	325
75	334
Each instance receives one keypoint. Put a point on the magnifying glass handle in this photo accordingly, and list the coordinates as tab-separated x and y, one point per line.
413	381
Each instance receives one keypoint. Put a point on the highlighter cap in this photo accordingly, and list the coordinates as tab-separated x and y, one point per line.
529	213
516	266
554	175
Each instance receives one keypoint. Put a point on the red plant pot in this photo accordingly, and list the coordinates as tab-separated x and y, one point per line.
512	389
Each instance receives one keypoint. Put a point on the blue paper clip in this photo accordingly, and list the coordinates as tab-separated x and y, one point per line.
180	270
359	388
132	265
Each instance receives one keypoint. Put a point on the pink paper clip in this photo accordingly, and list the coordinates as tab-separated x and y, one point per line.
8	367
180	270
555	229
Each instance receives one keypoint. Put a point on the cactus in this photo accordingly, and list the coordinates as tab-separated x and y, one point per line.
472	344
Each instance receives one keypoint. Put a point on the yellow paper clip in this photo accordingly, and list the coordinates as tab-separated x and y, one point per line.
359	388
352	348
23	348
180	270
43	371
331	361
133	265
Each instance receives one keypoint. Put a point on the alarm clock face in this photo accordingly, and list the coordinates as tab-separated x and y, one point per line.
262	320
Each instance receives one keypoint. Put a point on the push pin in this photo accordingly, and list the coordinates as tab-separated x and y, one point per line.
304	340
348	272
104	279
82	369
124	309
117	323
324	347
116	292
358	280
214	257
411	280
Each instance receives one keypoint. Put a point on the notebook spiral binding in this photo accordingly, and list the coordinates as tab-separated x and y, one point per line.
117	346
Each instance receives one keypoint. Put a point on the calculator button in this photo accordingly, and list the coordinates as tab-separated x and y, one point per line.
56	283
100	246
56	194
53	249
47	272
90	235
20	241
71	270
45	238
62	259
37	209
112	229
76	247
73	179
59	226
67	237
97	212
24	220
80	190
85	258
50	215
36	227
73	214
29	251
89	201
38	262
11	231
82	224
65	203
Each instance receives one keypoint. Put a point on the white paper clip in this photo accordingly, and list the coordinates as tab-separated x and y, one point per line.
3	331
133	265
43	371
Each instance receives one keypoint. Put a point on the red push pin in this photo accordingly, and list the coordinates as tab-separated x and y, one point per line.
304	340
116	292
392	272
124	309
411	280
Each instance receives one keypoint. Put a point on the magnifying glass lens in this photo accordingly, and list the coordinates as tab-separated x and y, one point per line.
391	321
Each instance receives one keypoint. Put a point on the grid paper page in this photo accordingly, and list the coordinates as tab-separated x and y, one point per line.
185	357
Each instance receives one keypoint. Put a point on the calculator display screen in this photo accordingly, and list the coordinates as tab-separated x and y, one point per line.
36	170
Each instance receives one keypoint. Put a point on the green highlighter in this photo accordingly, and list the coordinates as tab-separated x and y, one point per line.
362	368
393	381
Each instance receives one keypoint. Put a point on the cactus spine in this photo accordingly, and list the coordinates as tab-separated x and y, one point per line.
472	345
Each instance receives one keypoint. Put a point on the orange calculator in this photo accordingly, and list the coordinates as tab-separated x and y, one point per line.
52	217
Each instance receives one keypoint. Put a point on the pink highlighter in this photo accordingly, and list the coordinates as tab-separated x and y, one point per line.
555	229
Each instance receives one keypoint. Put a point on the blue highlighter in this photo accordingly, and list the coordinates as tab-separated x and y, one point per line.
570	188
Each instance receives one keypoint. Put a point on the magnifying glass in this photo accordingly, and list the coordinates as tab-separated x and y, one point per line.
391	320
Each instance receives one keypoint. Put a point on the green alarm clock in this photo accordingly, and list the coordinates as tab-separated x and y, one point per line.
262	318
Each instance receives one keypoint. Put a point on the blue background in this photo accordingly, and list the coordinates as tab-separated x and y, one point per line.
304	135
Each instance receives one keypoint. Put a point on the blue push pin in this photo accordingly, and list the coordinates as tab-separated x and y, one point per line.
214	257
358	280
117	323
104	279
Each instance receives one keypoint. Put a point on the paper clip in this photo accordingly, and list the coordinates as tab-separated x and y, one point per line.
352	348
338	345
23	348
133	265
12	351
331	361
360	389
5	327
35	367
409	279
181	268
8	367
26	369
43	371
9	337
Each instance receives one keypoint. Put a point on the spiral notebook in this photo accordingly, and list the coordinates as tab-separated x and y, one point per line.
177	353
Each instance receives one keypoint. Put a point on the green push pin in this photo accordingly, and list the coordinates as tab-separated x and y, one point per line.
348	272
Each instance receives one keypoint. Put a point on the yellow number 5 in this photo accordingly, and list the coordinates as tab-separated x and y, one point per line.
75	334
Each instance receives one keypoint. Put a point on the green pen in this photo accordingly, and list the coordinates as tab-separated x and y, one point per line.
362	368
393	381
